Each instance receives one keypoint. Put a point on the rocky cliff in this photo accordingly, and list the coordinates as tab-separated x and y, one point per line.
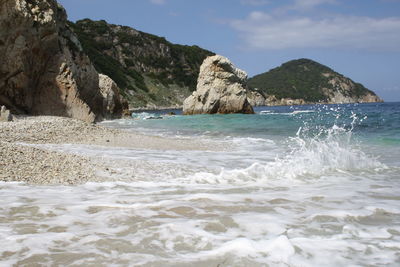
305	81
150	71
221	88
43	68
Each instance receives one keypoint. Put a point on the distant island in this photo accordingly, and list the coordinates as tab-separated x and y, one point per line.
305	81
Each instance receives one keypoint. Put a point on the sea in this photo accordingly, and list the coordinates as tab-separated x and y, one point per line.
314	185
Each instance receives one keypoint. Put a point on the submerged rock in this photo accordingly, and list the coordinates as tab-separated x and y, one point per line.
221	88
44	70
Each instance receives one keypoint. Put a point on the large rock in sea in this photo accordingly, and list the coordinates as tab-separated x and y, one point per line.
221	88
112	102
44	70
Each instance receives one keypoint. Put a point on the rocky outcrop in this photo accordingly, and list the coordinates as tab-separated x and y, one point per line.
341	90
112	101
5	114
370	98
44	70
257	98
221	88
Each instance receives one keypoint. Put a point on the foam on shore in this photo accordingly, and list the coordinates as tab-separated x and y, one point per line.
39	165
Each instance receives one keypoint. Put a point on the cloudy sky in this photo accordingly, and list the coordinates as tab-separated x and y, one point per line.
358	38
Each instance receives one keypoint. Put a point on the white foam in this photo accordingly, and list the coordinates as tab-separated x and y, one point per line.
293	113
150	223
315	200
308	159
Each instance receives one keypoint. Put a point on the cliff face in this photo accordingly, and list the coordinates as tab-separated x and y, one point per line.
149	70
305	81
44	70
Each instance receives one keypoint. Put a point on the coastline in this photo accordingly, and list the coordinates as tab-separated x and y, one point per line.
287	102
24	158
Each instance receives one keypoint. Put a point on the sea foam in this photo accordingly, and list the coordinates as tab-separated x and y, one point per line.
328	152
315	196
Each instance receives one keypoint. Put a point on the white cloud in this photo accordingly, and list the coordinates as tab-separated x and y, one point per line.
309	4
254	2
158	2
265	31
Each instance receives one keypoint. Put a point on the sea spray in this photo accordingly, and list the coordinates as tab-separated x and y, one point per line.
308	158
315	151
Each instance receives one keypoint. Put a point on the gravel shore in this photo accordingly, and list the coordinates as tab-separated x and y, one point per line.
31	164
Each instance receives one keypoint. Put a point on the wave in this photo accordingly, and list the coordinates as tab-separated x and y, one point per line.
295	112
328	152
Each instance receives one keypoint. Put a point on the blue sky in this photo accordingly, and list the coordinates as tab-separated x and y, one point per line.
358	38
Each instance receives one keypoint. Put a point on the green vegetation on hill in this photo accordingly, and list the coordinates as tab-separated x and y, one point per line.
146	67
304	79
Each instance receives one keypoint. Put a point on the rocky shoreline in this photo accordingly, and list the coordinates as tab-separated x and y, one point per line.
23	158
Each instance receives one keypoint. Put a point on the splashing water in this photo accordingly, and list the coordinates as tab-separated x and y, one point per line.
328	151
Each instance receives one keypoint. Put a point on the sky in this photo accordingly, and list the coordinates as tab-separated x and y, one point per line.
357	38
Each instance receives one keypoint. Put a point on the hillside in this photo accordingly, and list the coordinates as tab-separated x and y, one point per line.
307	81
149	70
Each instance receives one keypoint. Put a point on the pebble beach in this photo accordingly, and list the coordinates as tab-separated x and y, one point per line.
23	159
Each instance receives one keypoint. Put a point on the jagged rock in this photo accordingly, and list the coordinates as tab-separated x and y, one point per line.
256	98
44	70
5	114
111	98
221	88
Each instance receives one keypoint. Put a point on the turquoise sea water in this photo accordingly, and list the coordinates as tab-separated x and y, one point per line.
373	127
375	121
291	186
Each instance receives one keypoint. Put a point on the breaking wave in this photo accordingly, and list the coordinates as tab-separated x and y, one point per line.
328	151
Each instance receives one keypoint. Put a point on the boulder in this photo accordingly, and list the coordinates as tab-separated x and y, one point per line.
44	70
112	102
5	114
221	88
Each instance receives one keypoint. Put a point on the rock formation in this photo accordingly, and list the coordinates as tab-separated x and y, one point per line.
112	102
221	88
44	70
257	98
342	89
5	114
